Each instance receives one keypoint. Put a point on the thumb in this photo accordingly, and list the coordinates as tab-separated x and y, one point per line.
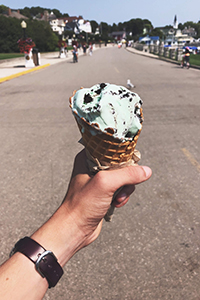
129	176
121	197
110	181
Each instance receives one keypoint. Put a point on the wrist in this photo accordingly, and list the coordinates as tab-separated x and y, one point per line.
61	235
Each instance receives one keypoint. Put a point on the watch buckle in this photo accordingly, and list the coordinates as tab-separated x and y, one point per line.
40	258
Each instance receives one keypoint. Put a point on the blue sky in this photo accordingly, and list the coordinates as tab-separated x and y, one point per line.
159	12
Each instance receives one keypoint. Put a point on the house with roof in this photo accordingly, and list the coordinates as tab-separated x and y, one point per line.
118	35
77	24
14	13
57	25
189	31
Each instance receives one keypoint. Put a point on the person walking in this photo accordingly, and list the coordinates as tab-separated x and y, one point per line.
186	58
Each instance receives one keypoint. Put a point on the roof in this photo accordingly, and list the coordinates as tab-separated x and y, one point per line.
149	38
13	13
154	38
72	19
71	26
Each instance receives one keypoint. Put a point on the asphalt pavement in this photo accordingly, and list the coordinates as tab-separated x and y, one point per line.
151	249
12	68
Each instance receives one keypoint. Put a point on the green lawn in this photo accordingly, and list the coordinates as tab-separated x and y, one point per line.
10	55
195	59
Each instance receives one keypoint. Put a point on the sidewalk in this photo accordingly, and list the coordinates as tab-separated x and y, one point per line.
15	67
135	51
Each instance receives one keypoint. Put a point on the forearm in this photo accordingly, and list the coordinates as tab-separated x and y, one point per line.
19	279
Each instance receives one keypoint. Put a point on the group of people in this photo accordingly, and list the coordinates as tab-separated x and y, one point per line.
84	47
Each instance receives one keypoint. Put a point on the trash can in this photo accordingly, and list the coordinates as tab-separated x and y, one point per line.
35	56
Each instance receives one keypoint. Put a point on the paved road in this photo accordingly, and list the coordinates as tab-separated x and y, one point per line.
151	249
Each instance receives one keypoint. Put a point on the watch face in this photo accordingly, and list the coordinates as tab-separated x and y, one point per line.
43	258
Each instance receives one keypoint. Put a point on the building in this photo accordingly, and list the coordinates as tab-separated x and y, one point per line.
14	13
118	35
57	25
150	40
189	31
77	24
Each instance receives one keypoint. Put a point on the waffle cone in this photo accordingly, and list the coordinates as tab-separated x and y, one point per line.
102	146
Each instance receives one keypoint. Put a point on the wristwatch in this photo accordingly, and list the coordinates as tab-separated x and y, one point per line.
45	261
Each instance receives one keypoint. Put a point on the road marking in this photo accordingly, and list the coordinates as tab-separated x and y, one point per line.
117	70
191	158
22	73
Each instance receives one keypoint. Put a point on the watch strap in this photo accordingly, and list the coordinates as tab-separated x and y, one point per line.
45	261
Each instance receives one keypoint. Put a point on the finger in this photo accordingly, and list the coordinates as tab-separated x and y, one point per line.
80	164
112	180
122	197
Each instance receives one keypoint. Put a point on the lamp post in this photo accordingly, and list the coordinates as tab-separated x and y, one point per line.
24	25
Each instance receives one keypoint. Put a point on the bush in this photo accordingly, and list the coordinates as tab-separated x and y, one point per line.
40	32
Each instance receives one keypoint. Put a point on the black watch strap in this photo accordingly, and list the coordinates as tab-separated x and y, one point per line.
45	261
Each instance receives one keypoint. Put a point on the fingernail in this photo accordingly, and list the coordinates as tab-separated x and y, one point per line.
147	171
122	196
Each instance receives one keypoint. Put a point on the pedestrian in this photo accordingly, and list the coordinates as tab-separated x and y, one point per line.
90	49
186	58
37	261
84	49
75	54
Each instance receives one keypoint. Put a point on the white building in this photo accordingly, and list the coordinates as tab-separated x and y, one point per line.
57	25
83	26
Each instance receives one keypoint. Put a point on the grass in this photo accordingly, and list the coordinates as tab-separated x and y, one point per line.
195	59
10	55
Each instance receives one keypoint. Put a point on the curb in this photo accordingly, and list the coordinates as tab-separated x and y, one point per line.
23	73
137	52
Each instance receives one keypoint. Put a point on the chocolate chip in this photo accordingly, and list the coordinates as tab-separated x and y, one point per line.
129	134
102	85
87	99
98	92
126	95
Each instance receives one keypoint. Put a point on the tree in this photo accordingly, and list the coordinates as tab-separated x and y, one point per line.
94	25
156	32
40	32
10	32
3	9
57	13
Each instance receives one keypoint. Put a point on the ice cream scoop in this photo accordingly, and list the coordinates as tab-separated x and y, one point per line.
109	108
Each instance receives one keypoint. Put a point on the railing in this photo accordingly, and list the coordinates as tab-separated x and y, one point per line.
167	52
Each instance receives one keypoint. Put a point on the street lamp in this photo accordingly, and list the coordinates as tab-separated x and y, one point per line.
24	25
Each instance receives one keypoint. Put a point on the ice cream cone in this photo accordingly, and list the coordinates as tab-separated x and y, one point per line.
104	150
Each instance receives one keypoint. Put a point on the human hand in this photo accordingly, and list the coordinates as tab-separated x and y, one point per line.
88	198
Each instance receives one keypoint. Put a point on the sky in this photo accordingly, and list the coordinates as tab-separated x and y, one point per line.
159	12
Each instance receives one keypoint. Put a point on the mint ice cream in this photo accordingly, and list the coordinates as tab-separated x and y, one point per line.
109	108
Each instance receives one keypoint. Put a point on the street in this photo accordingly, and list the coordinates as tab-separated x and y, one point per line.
151	249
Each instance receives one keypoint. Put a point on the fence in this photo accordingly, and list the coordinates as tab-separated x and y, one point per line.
167	52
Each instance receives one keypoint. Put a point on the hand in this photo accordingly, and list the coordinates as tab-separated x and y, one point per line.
88	198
